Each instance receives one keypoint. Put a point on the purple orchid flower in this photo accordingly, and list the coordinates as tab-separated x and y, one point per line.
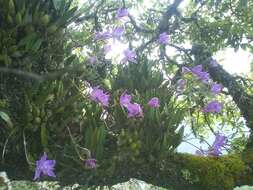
91	163
163	38
213	63
102	35
125	99
129	55
99	96
216	88
213	107
134	110
197	69
181	84
98	36
200	152
154	102
122	12
202	75
216	148
44	167
118	32
93	59
219	143
107	48
185	70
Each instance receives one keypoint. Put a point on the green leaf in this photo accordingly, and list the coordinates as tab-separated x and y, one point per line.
68	5
26	41
37	44
243	3
100	134
68	16
6	118
43	136
70	59
57	4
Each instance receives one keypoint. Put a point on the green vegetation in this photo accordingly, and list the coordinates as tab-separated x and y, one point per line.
46	79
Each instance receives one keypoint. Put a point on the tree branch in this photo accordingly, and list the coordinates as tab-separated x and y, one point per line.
42	78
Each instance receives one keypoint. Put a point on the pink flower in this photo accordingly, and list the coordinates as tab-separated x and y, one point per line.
154	102
99	96
134	110
91	163
125	99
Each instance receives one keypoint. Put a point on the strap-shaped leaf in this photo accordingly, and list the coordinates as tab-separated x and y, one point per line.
44	136
37	44
6	118
57	4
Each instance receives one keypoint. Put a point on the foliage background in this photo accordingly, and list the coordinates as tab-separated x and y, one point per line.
46	78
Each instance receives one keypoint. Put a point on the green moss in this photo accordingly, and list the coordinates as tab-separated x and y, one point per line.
211	173
245	187
247	158
178	172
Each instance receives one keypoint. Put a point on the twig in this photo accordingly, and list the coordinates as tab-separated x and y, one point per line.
75	145
22	73
191	144
42	78
25	149
5	145
138	28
